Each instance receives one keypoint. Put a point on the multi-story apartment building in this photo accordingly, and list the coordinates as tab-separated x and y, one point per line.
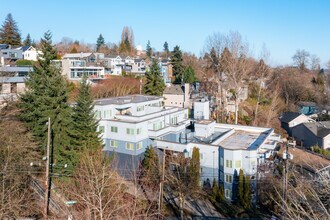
130	124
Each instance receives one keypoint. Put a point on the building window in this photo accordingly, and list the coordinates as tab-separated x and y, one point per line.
174	120
140	108
201	156
114	143
105	114
114	129
98	114
238	164
229	164
130	131
139	146
101	129
221	161
158	125
229	178
138	131
129	146
228	193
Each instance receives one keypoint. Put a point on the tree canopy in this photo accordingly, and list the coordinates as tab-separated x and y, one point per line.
177	66
154	81
45	98
9	32
100	42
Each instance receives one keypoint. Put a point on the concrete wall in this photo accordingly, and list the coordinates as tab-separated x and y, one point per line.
202	110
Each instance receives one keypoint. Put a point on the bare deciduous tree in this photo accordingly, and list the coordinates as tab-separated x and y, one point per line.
301	59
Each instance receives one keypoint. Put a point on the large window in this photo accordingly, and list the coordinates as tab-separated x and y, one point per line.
114	143
114	129
238	163
157	125
101	129
138	131
174	120
228	193
139	146
229	178
130	131
129	146
140	108
229	164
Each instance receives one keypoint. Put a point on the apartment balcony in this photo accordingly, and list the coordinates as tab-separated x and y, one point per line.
169	128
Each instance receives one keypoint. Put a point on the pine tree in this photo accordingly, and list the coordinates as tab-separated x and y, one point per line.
9	32
166	50
148	49
27	41
189	75
154	82
99	42
85	133
176	61
241	187
150	169
195	168
247	193
221	192
47	97
214	190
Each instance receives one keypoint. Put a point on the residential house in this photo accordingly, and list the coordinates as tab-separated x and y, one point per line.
130	124
177	95
307	108
30	53
139	66
290	119
11	53
10	87
114	64
166	70
76	65
313	134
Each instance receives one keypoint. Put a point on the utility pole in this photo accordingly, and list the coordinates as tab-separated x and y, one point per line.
285	182
161	184
47	172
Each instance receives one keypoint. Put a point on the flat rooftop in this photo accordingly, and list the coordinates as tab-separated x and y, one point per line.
243	140
122	100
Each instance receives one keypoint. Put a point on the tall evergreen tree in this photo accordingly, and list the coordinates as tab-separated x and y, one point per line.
189	75
84	122
47	97
99	42
27	41
241	187
247	193
148	49
177	66
166	50
195	168
9	32
154	81
150	168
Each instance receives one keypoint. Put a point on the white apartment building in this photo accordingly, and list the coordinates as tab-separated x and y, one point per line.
130	124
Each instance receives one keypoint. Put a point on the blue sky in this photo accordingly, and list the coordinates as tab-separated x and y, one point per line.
283	26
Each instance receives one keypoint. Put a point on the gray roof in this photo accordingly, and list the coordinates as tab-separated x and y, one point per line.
15	79
289	116
174	89
126	99
16	69
319	129
3	46
76	55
